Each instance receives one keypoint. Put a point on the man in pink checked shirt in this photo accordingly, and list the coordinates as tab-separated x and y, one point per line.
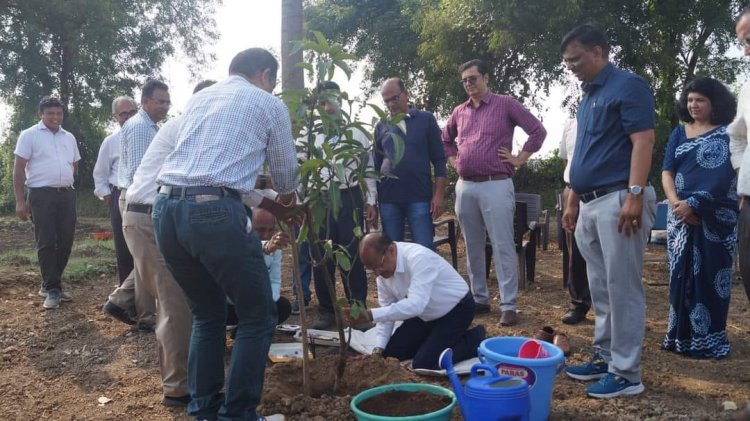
478	140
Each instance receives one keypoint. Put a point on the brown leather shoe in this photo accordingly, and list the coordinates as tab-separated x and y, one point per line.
546	334
508	318
562	342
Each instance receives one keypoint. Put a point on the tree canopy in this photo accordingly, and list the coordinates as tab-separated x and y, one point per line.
668	42
88	52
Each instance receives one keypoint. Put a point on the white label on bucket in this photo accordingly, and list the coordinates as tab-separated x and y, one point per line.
518	371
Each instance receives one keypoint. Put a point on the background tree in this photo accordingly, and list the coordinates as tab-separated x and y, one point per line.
668	42
88	52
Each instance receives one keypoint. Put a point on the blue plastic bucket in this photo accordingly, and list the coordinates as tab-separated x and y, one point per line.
539	373
443	414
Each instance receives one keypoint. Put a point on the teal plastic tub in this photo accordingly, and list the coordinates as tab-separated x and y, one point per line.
440	415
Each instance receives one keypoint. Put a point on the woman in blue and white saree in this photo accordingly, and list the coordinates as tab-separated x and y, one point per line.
701	187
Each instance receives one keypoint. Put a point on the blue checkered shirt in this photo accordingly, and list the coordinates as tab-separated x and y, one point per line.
135	136
228	131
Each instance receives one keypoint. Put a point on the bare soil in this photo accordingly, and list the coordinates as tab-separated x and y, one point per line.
57	365
399	403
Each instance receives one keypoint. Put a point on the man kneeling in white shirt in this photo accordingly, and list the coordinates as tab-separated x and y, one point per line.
418	286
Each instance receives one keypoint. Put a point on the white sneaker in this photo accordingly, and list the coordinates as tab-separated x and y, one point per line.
274	417
64	296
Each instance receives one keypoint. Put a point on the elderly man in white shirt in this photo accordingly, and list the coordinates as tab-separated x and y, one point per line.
105	182
423	290
739	131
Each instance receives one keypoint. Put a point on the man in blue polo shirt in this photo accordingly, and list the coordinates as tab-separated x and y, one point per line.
408	195
608	175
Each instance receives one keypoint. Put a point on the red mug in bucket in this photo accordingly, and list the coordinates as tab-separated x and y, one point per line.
532	349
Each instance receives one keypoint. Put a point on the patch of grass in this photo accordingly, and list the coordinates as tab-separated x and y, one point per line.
18	258
87	204
90	259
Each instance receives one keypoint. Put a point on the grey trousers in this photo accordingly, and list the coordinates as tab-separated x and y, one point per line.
614	264
174	320
486	209
130	293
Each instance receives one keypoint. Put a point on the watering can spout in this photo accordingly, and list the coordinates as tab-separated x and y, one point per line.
446	363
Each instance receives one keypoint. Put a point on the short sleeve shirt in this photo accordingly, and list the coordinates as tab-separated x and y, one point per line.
50	156
615	105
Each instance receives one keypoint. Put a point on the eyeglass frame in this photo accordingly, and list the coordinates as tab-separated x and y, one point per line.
472	80
394	98
127	113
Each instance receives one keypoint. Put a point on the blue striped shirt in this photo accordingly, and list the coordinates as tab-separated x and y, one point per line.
227	132
135	136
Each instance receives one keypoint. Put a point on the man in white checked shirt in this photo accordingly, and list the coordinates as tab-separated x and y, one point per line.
135	137
227	132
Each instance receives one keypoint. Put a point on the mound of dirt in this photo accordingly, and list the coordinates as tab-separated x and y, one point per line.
283	386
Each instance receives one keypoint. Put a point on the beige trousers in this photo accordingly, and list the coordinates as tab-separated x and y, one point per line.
173	317
130	294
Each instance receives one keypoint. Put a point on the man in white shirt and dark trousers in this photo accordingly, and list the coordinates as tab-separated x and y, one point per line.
419	287
46	160
228	131
105	182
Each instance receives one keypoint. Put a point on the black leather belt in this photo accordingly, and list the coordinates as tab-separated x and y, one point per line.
172	191
139	208
57	189
481	178
594	194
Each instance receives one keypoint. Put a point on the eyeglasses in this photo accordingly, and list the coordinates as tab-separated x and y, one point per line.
127	114
393	98
470	80
379	267
744	42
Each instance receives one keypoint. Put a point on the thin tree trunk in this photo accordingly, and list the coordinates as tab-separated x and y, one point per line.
292	77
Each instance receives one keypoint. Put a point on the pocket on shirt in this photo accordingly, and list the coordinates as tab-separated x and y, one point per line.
600	117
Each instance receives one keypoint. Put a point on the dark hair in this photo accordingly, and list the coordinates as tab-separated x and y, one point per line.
482	67
203	85
328	85
381	242
723	104
150	86
589	35
50	102
745	10
252	61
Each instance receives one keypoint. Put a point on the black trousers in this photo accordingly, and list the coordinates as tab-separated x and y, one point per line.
743	250
578	281
341	232
424	341
124	258
53	212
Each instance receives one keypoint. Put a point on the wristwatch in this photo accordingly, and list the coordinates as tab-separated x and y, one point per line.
635	190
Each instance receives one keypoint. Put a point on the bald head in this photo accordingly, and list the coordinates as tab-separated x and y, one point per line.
264	223
378	253
395	96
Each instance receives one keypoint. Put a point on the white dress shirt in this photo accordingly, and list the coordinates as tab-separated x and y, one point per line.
105	169
567	145
228	131
135	136
349	166
50	156
738	132
144	187
424	285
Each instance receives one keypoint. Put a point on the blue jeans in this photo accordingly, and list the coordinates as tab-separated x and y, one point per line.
212	257
305	269
394	215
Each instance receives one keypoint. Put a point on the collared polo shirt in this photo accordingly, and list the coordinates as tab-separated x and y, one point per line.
615	105
50	156
411	179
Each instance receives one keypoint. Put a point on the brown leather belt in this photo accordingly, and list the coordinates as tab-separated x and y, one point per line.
480	178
